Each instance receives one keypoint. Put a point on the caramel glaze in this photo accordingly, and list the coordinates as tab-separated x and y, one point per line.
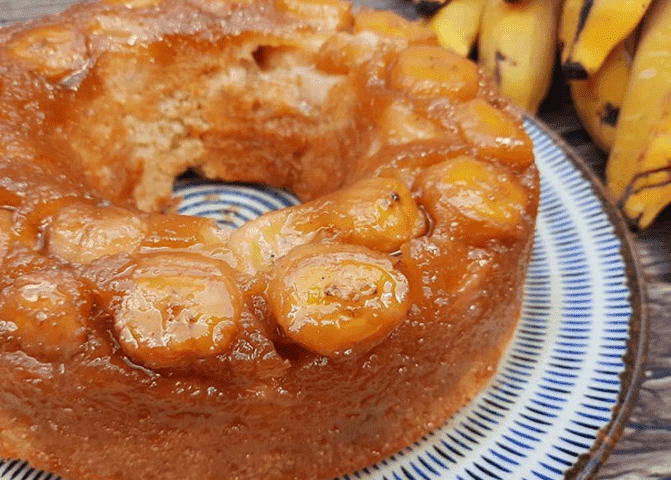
139	344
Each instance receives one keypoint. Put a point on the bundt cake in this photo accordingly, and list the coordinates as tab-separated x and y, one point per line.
315	340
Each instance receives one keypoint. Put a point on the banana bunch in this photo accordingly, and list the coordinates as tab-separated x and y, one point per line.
516	42
638	172
615	56
597	42
617	61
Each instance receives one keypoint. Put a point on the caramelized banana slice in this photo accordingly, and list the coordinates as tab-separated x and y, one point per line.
379	213
81	233
336	299
45	313
197	234
428	71
259	243
487	199
401	124
175	309
494	133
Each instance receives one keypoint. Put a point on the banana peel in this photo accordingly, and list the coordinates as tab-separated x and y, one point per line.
649	191
638	171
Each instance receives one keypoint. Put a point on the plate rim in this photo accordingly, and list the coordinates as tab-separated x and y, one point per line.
636	354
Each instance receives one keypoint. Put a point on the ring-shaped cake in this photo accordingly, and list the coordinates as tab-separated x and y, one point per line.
136	343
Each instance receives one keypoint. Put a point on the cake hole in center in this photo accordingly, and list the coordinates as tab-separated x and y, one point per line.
228	204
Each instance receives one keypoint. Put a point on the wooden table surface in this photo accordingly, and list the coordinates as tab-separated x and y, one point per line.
644	449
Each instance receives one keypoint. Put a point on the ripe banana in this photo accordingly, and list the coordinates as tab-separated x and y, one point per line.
590	29
598	99
638	172
517	48
457	24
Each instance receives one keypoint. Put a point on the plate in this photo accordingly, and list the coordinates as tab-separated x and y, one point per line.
569	379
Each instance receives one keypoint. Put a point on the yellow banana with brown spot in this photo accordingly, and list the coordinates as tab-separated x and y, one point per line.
598	99
457	24
517	48
590	29
638	173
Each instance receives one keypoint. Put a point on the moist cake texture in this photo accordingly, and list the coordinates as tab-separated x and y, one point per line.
136	343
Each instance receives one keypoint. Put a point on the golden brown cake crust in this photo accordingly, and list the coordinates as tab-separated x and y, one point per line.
313	341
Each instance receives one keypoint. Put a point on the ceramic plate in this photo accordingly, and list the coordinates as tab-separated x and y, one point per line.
570	375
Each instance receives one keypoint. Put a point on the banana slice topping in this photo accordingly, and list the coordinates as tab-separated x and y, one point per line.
174	309
336	299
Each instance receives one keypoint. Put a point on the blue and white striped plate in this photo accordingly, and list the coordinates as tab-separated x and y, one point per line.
230	205
570	376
